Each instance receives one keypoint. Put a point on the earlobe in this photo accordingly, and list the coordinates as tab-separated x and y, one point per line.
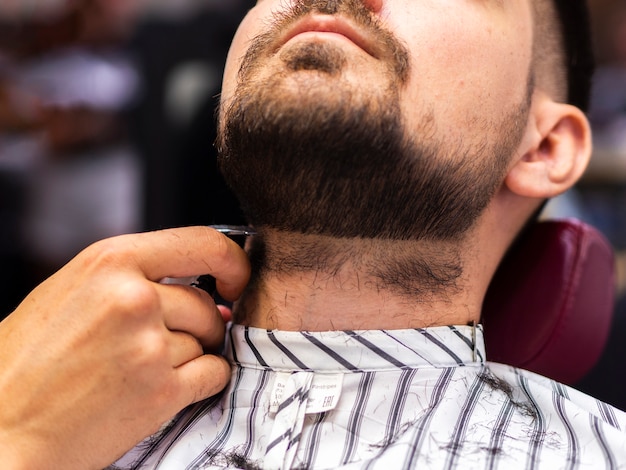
556	153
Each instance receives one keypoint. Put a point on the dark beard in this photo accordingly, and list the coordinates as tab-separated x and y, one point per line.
329	160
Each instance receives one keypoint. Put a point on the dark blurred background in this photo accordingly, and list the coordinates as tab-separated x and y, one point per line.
107	127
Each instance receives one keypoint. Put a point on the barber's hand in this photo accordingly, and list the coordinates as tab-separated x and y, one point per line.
100	355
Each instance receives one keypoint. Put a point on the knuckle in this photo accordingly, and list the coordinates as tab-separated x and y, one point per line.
148	360
136	298
153	350
110	252
221	248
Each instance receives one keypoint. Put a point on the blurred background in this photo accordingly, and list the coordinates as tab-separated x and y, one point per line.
107	127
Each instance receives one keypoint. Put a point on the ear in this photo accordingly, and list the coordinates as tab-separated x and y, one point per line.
554	152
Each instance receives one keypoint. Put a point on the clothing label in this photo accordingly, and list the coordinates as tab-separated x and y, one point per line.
278	391
325	392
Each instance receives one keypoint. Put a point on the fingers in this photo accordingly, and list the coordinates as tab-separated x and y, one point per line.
202	377
226	312
183	348
198	375
102	337
192	311
191	251
175	253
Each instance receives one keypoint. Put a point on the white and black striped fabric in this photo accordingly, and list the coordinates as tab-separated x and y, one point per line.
385	400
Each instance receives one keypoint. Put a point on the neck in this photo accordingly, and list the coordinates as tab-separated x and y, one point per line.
318	283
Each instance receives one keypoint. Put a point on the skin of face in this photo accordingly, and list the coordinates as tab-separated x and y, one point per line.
469	59
470	67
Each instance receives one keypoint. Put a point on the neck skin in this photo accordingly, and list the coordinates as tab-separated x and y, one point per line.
357	284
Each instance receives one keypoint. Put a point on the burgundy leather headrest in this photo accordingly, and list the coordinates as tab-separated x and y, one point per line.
550	304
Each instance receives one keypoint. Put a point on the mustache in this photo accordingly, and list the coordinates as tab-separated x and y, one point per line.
393	52
356	8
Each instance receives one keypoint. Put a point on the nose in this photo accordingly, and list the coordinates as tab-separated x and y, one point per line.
373	5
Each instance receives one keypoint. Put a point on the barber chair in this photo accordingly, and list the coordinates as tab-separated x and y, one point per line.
550	304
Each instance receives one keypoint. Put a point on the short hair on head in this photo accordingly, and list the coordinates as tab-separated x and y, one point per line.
563	50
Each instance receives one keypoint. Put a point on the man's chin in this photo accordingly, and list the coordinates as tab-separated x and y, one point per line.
305	93
325	57
301	68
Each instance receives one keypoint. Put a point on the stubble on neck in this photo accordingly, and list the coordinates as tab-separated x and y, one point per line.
322	283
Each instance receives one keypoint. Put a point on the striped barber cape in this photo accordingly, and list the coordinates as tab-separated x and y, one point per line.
399	399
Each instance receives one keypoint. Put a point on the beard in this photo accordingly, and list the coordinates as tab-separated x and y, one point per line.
306	151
